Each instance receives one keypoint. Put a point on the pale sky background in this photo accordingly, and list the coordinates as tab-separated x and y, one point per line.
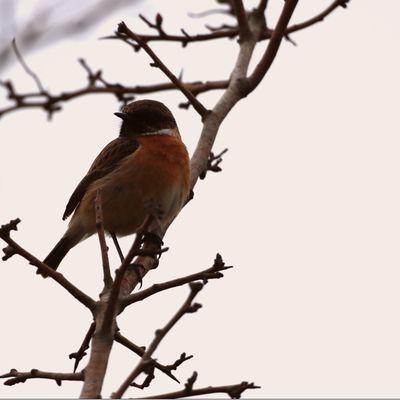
306	209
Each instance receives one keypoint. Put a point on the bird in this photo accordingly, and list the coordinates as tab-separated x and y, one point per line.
144	172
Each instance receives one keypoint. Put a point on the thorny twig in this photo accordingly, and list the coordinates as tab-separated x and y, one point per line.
213	163
233	391
166	369
187	307
214	272
78	355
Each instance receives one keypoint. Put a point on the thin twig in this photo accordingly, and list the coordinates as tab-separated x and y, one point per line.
123	29
272	49
84	346
107	279
26	67
318	18
233	391
21	377
214	272
187	307
166	369
51	103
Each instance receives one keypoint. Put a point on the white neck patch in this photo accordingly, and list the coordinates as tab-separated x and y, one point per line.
167	131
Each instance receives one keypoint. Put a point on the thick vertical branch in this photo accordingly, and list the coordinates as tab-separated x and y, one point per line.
100	352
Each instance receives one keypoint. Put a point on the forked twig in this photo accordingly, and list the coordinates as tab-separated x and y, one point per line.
187	307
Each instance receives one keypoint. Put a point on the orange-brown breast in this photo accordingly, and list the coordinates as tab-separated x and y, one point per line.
155	178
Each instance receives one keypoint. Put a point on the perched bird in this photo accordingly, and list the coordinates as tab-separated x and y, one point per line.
144	172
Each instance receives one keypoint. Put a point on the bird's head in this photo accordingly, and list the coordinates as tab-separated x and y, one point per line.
145	117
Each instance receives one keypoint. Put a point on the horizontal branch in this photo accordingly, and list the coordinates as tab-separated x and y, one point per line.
21	377
214	272
232	32
233	391
51	103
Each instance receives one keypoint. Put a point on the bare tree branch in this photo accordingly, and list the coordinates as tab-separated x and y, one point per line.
26	67
115	290
273	45
52	103
14	248
117	295
123	29
187	307
21	377
318	18
214	272
166	369
233	391
244	30
262	6
50	23
84	346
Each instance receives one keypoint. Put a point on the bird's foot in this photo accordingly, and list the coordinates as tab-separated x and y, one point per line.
154	238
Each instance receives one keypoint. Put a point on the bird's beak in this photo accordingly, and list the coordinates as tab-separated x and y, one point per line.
124	116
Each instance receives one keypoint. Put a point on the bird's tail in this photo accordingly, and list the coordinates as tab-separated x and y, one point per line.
59	251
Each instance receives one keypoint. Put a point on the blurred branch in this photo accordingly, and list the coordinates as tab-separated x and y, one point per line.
98	85
26	67
50	22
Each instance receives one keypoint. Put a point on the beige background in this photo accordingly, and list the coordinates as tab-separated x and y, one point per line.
306	208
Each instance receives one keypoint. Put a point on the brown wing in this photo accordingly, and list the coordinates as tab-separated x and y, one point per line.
105	162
